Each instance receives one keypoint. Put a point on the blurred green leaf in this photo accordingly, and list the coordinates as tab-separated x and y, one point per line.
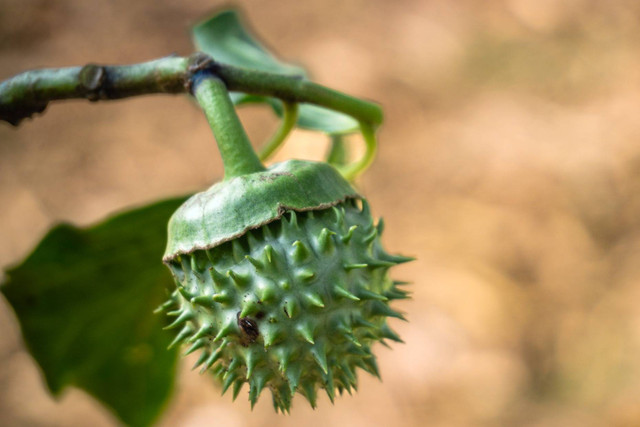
226	39
85	299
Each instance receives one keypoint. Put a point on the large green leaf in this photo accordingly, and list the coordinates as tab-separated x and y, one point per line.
226	39
85	299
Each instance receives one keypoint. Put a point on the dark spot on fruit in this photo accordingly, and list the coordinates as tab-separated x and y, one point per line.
260	315
249	329
285	311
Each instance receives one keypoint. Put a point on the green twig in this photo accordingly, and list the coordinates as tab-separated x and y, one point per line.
289	118
30	92
296	89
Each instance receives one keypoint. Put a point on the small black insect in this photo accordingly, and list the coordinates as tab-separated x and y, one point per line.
249	329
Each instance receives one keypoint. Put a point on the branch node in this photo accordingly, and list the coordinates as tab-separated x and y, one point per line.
92	78
200	65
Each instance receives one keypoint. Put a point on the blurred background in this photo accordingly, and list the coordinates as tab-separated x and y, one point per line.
509	166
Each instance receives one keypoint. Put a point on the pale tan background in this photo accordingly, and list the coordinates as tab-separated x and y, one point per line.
509	165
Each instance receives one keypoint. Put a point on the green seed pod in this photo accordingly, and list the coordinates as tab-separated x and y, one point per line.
281	282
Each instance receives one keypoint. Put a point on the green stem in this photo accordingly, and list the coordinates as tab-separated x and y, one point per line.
296	89
351	171
337	156
289	118
238	156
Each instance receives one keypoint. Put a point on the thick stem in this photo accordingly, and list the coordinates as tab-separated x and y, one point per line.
238	156
30	92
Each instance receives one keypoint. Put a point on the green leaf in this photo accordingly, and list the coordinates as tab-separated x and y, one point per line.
226	39
85	299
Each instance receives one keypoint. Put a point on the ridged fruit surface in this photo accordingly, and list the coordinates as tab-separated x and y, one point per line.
294	305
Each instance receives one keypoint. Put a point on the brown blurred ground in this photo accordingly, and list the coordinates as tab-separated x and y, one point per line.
509	165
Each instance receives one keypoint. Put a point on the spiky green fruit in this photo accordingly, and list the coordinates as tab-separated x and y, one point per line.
285	285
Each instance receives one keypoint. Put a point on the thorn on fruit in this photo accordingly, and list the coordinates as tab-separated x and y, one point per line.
305	275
